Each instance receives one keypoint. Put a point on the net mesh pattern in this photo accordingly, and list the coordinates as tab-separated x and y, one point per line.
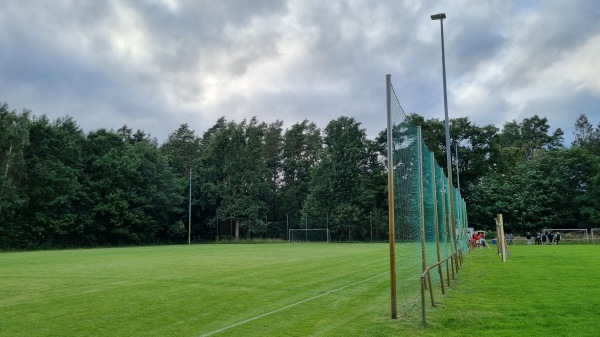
422	208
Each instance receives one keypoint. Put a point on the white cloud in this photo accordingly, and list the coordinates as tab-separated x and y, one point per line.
580	67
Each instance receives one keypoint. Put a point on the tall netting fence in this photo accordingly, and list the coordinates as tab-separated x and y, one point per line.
429	219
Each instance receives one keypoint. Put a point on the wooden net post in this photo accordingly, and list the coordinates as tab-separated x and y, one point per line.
501	240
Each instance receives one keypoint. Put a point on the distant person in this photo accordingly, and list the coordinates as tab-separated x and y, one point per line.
538	239
557	237
544	238
528	235
550	237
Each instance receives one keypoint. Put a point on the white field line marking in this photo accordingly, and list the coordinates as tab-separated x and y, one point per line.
289	306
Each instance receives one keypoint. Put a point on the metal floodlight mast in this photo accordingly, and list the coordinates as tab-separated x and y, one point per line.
441	17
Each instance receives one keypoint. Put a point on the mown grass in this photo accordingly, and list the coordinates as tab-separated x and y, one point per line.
540	290
289	290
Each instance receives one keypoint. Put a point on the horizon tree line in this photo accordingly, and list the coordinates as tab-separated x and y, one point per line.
62	187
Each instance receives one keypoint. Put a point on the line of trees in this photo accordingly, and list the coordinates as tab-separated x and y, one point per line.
62	187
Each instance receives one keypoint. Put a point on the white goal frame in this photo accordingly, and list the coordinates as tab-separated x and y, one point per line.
554	230
306	230
594	230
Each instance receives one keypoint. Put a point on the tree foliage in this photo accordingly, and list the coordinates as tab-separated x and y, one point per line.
235	173
62	187
342	184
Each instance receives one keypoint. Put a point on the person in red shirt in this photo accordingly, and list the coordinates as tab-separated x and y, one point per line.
476	239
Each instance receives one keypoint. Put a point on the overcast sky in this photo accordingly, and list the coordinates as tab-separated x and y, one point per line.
156	64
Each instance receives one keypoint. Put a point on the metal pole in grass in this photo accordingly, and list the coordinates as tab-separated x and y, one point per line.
371	224
441	17
391	219
190	211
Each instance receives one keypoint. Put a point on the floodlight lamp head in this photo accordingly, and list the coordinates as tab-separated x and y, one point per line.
439	16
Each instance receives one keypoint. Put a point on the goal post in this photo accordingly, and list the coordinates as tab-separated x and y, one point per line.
309	235
571	235
595	233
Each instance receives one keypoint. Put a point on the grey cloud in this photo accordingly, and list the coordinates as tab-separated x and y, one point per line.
544	39
153	66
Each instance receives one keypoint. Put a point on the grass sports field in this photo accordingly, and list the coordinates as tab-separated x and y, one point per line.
290	290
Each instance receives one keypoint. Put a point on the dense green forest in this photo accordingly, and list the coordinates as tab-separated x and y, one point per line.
62	187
